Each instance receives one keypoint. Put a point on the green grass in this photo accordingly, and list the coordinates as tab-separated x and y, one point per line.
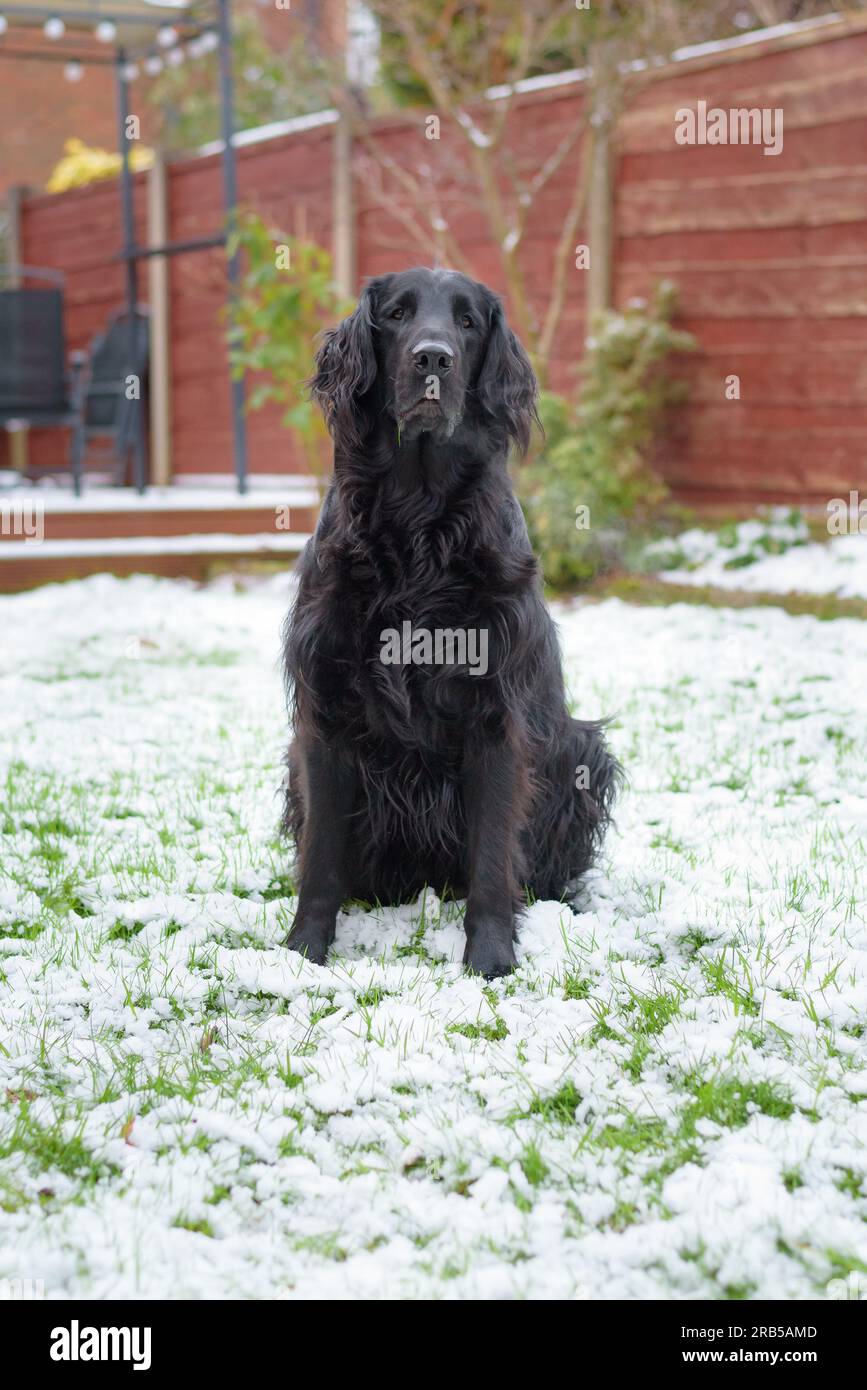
52	1147
645	590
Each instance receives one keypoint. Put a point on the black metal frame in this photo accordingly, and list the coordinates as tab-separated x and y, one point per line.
131	254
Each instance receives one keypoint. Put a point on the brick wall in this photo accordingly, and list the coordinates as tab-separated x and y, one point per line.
40	110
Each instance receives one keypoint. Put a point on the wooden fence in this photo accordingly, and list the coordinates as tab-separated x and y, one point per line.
769	253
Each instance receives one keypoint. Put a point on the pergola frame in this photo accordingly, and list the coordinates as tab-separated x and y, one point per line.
133	21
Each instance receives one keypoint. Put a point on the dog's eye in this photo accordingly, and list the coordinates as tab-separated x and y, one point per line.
396	313
466	321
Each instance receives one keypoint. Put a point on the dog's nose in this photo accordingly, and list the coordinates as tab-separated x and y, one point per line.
432	357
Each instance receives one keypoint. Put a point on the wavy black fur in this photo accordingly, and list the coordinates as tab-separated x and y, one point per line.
406	775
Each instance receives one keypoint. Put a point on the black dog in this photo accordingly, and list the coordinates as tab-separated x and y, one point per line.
412	763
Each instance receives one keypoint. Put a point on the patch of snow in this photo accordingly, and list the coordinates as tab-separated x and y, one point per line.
478	136
511	239
773	556
281	542
55	501
738	41
572	76
272	131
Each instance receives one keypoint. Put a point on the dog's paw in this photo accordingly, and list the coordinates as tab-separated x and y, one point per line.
310	939
490	953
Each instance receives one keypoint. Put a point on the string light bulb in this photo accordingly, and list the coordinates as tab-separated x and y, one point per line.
54	28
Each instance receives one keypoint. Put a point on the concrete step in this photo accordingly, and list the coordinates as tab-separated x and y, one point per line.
24	565
49	534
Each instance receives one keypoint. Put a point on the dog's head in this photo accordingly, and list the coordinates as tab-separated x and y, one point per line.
425	352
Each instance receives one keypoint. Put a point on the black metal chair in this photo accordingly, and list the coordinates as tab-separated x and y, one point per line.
108	405
94	399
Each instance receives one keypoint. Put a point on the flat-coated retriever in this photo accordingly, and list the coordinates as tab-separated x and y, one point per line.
433	744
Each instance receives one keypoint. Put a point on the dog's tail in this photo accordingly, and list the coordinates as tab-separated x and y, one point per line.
574	803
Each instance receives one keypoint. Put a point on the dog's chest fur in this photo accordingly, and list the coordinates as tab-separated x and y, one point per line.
420	582
414	603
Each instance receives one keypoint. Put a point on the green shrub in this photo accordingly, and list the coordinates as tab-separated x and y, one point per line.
287	298
591	488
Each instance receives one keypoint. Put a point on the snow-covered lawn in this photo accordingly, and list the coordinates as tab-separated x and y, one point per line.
669	1099
773	555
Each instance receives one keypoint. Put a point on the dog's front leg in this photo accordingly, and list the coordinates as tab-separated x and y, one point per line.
493	801
328	785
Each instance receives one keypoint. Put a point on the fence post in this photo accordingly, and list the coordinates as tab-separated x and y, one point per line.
230	207
14	256
600	221
342	209
160	324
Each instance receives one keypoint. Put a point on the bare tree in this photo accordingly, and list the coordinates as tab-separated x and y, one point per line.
472	59
456	54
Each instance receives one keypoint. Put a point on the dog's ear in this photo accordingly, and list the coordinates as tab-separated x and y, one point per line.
507	388
346	372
